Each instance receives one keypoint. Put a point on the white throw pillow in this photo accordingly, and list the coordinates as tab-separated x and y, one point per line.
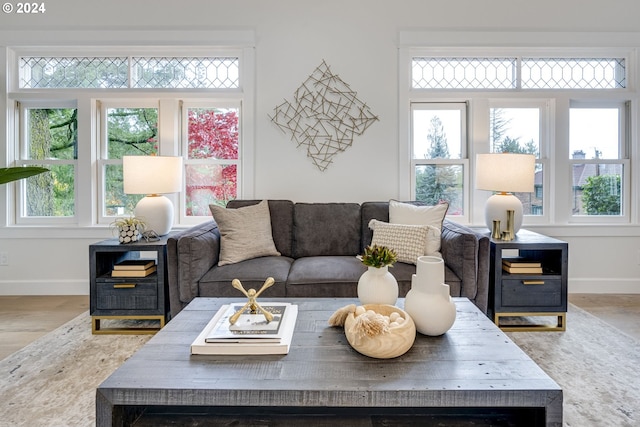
408	241
245	232
433	216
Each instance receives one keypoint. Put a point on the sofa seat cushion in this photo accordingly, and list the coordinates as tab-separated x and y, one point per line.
252	273
323	269
330	276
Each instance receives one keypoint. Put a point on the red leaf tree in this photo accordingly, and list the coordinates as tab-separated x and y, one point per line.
213	135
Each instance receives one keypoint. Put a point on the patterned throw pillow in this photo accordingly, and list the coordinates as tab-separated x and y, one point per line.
245	232
407	240
433	216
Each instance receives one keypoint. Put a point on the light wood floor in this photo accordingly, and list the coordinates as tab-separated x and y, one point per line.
23	319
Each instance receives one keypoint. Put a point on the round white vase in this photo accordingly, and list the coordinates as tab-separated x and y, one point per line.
377	286
428	302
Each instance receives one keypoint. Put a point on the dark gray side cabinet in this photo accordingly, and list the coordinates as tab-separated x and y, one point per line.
529	294
131	298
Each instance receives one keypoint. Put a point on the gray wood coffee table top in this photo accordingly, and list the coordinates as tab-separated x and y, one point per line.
474	365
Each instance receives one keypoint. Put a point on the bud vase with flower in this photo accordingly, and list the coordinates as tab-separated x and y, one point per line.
377	285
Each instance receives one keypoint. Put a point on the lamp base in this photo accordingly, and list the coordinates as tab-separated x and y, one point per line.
157	213
497	207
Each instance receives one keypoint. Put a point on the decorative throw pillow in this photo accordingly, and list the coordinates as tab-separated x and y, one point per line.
245	232
433	216
407	240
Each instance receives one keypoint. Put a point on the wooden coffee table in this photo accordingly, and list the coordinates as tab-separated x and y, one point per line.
473	374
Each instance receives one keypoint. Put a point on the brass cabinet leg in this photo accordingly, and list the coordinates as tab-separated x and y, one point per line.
561	322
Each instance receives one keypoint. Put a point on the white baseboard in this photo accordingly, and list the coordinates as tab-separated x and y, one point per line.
44	287
604	286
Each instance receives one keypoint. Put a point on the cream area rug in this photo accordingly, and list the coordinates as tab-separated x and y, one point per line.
597	366
52	381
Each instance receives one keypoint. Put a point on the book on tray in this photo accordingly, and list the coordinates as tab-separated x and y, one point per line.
134	273
251	333
134	264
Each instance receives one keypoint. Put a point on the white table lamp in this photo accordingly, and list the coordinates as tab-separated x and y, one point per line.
153	176
505	173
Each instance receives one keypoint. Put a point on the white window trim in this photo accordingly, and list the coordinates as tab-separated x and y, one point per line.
462	161
214	102
184	44
557	176
20	216
546	107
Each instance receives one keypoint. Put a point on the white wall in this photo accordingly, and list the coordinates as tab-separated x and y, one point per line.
359	40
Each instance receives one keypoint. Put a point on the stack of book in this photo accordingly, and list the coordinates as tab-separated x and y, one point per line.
134	268
521	266
251	333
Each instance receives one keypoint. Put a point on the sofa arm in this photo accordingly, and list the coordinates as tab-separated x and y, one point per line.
466	253
190	254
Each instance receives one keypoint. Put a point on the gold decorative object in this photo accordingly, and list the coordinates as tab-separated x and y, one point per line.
252	304
495	233
509	234
380	331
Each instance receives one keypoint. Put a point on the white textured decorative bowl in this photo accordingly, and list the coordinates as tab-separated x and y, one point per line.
393	343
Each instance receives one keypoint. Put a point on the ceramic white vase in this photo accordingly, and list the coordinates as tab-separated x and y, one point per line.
377	286
429	302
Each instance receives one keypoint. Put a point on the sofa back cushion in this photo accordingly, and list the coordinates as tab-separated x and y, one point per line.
281	222
323	229
369	211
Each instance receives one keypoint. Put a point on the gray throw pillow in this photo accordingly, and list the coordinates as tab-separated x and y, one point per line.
245	233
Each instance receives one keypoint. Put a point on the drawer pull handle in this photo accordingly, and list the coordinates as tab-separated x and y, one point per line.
124	286
533	282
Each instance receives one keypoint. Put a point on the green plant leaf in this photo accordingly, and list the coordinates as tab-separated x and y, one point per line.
378	256
16	173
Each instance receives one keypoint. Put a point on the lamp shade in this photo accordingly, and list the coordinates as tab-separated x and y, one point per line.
152	174
505	172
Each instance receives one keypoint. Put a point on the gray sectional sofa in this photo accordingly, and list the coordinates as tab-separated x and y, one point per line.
318	243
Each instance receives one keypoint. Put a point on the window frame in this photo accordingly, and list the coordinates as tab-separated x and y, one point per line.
557	181
87	190
209	103
624	144
102	161
544	158
22	147
462	161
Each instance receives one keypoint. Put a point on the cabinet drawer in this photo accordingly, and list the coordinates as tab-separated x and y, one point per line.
127	295
531	292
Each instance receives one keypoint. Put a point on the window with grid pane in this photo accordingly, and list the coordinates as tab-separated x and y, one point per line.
571	73
38	72
511	73
463	73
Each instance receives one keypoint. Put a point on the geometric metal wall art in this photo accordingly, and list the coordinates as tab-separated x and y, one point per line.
324	116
